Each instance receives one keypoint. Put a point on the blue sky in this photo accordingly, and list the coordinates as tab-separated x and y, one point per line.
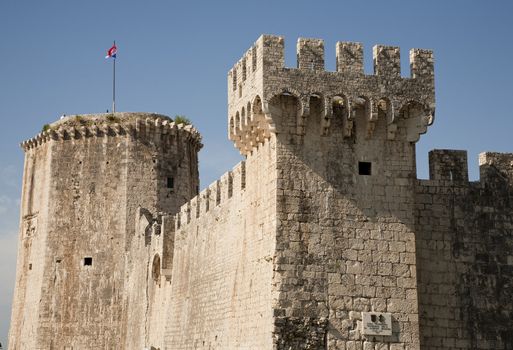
173	58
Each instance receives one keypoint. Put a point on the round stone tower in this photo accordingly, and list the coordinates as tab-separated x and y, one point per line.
85	180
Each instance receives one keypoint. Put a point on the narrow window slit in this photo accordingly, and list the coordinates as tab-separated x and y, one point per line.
170	183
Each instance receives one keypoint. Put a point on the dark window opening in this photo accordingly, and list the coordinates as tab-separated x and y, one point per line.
30	266
155	270
364	168
88	261
170	182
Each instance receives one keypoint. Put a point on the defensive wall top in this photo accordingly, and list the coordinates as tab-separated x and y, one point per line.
450	168
349	59
137	124
231	184
447	168
260	75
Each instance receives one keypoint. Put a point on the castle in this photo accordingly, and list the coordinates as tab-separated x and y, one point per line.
322	238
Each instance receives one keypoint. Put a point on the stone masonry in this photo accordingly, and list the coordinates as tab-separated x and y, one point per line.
321	238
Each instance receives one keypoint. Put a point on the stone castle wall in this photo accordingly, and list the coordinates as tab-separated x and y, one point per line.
221	282
465	253
345	242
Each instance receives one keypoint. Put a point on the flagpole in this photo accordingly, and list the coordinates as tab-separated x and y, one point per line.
114	84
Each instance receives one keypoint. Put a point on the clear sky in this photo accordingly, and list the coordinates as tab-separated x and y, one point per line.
173	57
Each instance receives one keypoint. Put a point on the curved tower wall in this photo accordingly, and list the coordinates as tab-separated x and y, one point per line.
84	182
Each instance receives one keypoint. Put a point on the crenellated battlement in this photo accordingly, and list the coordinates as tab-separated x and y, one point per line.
496	168
450	168
268	52
149	126
261	76
349	57
310	54
230	185
448	165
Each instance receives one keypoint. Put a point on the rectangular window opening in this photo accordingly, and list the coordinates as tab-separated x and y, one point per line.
170	183
88	261
364	168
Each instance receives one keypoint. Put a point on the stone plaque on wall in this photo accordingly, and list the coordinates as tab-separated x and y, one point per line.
376	323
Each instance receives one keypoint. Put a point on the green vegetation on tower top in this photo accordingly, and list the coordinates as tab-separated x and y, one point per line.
181	119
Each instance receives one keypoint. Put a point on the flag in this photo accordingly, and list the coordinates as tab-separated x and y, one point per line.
112	52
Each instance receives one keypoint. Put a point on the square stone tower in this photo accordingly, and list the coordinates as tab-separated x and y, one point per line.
345	150
308	244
